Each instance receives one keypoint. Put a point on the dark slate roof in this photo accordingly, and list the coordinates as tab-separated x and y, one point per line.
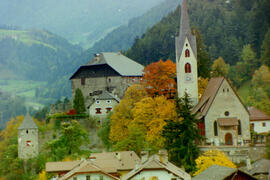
120	63
28	123
107	96
185	31
215	172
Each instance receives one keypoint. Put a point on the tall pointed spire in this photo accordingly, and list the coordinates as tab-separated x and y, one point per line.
184	23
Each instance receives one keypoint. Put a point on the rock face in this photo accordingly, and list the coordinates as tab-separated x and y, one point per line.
27	138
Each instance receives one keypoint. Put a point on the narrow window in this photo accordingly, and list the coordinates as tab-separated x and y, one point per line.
98	110
263	124
239	128
82	81
26	131
187	53
108	109
215	129
187	68
87	177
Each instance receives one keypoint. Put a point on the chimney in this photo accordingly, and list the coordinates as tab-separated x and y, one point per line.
163	156
249	167
144	156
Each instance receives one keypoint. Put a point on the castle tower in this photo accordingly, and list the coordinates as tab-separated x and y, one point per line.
186	58
27	138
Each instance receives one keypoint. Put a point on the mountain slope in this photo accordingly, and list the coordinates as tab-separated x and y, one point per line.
79	22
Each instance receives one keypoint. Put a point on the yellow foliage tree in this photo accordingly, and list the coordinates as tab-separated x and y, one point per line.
150	115
219	68
202	84
261	77
212	157
122	115
42	175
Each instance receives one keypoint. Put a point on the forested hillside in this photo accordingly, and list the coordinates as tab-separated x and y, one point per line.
225	25
84	22
123	37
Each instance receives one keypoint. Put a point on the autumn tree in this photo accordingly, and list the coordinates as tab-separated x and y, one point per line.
212	157
202	84
159	78
78	102
180	135
122	115
219	68
261	77
150	115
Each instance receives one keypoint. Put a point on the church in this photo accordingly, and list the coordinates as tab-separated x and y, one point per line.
224	119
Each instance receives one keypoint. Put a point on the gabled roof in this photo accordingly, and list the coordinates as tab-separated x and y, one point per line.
185	31
257	115
61	166
107	96
216	172
112	162
209	95
153	163
28	123
86	167
120	63
261	166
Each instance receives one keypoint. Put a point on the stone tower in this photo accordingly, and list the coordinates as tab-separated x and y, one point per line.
27	138
186	59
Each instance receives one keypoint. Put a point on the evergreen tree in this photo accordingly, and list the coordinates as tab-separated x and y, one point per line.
265	49
181	134
78	102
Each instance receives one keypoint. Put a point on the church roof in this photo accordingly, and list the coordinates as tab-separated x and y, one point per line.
120	63
257	115
185	31
209	95
28	123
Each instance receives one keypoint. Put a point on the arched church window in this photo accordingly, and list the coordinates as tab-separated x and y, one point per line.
187	53
239	128
187	68
26	131
215	128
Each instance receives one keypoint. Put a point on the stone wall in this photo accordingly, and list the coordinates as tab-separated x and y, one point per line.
239	153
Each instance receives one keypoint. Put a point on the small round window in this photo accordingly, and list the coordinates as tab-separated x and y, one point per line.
227	113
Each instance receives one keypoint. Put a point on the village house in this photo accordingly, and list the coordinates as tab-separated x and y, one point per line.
108	71
156	167
260	122
216	172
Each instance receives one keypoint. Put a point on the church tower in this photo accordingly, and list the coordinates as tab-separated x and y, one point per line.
186	59
27	138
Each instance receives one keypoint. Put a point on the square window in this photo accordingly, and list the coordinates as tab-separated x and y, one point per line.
98	110
263	124
82	81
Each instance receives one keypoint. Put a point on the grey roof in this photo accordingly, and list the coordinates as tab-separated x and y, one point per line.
215	172
107	96
154	163
261	166
185	31
28	123
120	63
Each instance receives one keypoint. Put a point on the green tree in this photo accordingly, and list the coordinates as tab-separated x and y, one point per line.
72	137
181	134
78	102
219	68
104	132
249	58
265	49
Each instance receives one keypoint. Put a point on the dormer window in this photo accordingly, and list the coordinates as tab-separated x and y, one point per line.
187	68
97	102
187	53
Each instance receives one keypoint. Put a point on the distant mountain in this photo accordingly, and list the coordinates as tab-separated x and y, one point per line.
83	21
124	36
35	55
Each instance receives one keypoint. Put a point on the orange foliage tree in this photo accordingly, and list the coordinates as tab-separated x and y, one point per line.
159	78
